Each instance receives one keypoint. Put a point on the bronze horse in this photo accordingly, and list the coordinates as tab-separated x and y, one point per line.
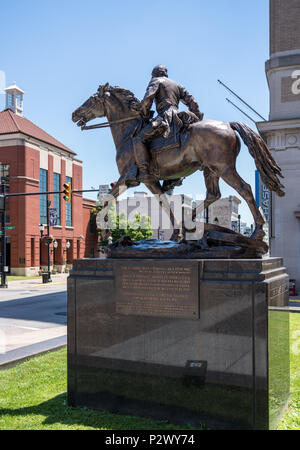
208	145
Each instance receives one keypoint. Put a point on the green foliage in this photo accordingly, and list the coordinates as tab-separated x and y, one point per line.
138	229
291	419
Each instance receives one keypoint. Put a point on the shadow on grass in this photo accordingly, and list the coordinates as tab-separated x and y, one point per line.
56	412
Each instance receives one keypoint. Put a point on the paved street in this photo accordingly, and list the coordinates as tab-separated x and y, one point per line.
32	313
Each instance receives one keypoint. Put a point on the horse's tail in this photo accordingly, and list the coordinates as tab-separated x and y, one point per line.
264	161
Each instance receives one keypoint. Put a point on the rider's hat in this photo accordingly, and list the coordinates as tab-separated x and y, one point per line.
160	71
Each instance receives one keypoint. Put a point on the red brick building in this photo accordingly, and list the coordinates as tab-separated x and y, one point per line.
33	161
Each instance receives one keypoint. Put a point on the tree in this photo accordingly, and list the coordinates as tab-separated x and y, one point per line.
137	230
140	228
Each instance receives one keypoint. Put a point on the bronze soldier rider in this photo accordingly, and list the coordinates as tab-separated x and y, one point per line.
167	94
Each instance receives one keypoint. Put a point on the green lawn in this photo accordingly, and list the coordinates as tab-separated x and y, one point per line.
291	420
33	396
17	278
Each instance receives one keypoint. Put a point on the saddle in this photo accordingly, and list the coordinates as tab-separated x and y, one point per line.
181	122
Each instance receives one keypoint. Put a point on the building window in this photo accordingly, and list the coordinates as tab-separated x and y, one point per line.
32	247
10	102
56	197
4	175
43	198
69	206
92	222
19	100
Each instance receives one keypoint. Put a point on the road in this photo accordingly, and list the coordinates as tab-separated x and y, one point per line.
32	313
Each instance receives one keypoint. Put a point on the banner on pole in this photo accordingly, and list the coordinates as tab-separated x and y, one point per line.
263	199
53	217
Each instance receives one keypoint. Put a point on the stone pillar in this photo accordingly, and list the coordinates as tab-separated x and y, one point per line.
282	132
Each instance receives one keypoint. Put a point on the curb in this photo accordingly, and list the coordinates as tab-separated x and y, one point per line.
19	355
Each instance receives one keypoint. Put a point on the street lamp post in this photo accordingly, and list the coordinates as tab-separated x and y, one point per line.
55	245
48	233
3	226
68	245
41	228
206	215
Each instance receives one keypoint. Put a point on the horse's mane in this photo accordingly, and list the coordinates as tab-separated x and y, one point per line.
126	96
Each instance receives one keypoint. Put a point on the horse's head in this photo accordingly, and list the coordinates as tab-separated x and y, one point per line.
93	107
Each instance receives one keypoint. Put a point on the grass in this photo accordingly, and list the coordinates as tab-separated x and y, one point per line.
291	420
33	396
17	278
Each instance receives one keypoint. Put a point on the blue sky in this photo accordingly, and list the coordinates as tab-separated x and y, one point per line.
58	52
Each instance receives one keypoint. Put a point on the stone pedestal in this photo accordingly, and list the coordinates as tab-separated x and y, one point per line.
189	341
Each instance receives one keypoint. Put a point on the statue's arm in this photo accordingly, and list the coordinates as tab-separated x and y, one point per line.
190	102
149	96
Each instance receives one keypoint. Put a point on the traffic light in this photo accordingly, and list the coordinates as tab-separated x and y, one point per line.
67	192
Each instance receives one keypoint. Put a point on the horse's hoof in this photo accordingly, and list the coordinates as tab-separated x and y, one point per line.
105	234
132	183
176	237
258	234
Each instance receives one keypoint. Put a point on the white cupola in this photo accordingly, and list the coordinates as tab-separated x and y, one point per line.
14	99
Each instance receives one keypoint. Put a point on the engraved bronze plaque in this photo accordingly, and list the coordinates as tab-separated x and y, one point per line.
157	288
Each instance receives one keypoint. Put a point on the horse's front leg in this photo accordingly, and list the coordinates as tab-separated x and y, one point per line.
156	188
117	189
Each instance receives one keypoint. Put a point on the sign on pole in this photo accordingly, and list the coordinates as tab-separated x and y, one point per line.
7	228
53	217
264	199
104	189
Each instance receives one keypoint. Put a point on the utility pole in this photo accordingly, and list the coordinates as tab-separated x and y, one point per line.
206	215
3	236
48	233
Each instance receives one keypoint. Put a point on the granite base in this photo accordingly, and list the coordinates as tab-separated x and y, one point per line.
190	341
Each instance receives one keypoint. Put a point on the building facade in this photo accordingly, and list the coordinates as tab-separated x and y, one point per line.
282	131
141	203
33	161
224	212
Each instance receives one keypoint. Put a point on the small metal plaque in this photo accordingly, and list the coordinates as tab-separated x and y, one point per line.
157	288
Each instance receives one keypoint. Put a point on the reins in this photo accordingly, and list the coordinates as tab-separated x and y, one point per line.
107	124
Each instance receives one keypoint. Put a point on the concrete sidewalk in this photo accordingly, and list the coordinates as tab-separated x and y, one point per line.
57	278
33	318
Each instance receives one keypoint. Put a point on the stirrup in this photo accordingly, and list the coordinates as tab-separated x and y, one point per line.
132	182
145	177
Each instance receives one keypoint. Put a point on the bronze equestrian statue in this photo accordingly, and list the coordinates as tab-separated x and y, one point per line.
189	144
167	94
